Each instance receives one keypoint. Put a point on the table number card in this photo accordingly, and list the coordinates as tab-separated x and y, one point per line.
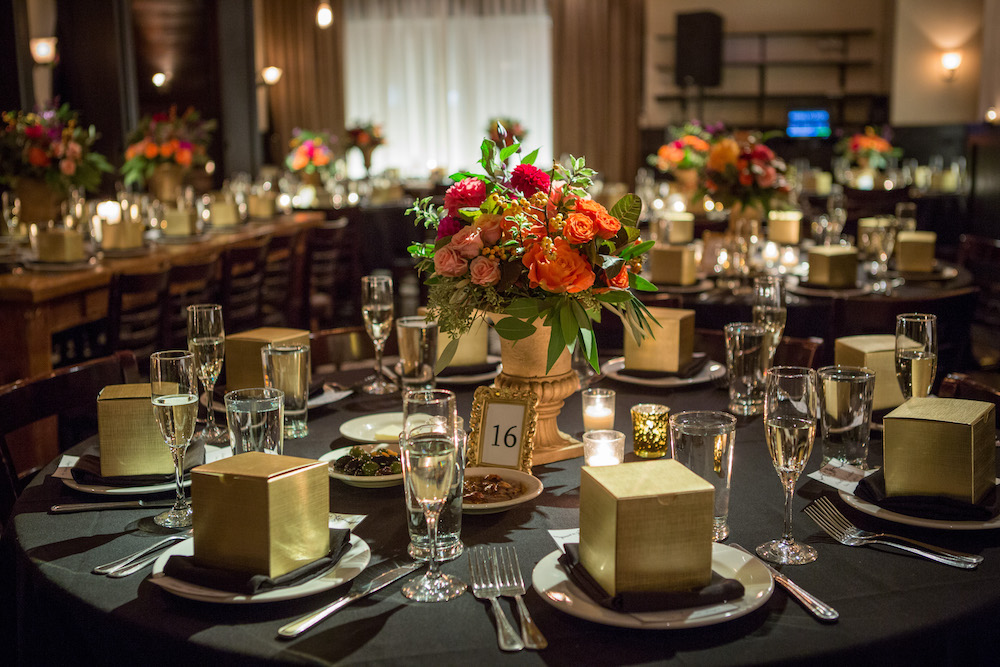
502	428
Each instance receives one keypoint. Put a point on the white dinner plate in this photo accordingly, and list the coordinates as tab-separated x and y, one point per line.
475	378
907	520
532	488
329	395
362	481
380	427
102	490
710	371
350	565
550	581
807	289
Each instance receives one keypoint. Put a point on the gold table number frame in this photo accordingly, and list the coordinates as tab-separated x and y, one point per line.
502	428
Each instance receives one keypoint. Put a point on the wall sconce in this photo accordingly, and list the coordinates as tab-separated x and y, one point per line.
159	79
324	15
992	116
43	50
950	61
270	75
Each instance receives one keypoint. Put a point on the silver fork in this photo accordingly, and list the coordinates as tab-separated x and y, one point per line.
837	526
114	565
484	587
507	570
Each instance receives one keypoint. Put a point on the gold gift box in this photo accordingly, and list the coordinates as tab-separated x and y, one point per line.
59	245
261	207
915	251
671	346
833	266
224	213
784	227
646	526
940	447
672	264
244	368
877	352
472	345
260	513
131	443
122	235
676	228
180	222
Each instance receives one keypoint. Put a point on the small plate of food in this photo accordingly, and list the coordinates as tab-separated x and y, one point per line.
366	466
489	490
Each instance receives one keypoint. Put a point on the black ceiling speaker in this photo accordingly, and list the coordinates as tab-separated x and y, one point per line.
698	61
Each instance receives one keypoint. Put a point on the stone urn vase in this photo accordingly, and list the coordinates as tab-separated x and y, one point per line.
165	182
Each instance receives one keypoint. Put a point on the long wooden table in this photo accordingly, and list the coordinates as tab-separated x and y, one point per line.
34	305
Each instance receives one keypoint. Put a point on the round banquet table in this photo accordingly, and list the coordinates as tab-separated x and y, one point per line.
893	608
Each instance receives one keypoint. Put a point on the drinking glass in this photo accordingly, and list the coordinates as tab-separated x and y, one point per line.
791	409
769	310
207	342
287	367
882	237
418	351
175	407
906	215
746	361
256	420
377	309
845	399
916	353
703	441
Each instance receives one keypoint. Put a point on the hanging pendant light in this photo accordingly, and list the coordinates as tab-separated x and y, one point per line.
324	15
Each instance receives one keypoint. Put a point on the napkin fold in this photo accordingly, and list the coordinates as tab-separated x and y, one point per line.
185	569
88	469
720	589
693	367
872	490
471	369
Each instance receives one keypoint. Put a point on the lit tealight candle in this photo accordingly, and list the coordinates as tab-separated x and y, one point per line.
603	448
790	259
598	409
771	254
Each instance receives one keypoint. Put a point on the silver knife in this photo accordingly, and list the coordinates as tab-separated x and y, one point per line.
819	609
114	505
362	586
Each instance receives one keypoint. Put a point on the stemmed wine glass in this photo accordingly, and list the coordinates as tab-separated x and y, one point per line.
916	353
430	452
207	342
791	410
769	310
377	309
175	407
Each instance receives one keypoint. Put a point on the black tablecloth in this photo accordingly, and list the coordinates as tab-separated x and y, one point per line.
894	608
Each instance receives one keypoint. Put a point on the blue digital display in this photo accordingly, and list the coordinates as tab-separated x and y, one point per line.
808	123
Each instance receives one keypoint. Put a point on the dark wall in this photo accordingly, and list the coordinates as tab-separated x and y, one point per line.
984	162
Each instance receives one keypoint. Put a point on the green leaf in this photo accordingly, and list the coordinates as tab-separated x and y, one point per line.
511	328
636	250
447	354
523	308
614	296
582	319
627	210
612	265
530	157
508	151
556	347
589	342
568	324
638	282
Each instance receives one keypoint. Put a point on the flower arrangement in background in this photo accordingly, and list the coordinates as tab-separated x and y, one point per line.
166	139
688	149
366	136
50	145
741	169
531	245
311	152
505	131
868	149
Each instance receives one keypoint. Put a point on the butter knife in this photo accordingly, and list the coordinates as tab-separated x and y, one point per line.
114	505
362	586
814	605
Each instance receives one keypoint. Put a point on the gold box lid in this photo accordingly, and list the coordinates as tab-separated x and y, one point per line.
257	465
642	479
868	343
833	250
949	410
267	334
916	237
120	391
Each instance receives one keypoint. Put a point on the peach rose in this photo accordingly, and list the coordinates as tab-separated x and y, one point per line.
490	228
447	262
605	225
724	152
557	267
67	166
620	281
466	242
578	228
485	270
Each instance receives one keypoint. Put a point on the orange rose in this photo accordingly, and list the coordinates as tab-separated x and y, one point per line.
723	153
167	149
605	225
183	157
555	266
37	157
321	159
151	150
669	154
694	142
131	151
620	281
578	228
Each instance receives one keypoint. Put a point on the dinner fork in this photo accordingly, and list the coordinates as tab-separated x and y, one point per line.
837	526
507	570
484	587
114	565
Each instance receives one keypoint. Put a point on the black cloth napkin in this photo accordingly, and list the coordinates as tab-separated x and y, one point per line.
185	569
698	361
471	369
718	590
872	490
88	469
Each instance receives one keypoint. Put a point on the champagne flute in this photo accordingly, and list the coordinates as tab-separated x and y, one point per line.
207	341
916	353
175	407
791	409
769	310
377	309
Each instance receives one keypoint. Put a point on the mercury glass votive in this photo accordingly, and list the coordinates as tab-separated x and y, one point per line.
603	448
650	430
598	409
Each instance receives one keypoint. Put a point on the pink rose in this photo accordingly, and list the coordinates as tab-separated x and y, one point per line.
74	150
466	242
490	228
767	177
447	262
67	166
467	193
448	226
485	270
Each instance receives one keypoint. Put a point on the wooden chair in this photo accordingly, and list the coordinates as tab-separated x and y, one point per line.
70	395
960	385
333	349
981	256
281	303
137	312
241	293
190	283
791	351
332	274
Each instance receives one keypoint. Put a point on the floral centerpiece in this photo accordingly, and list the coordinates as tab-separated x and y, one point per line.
311	152
366	138
505	131
165	146
688	148
742	172
868	149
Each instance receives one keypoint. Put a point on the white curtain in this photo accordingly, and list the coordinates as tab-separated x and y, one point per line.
433	73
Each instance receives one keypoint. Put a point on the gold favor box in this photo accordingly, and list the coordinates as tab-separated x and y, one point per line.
784	227
122	235
244	368
646	526
671	346
59	245
833	266
472	345
940	447
179	222
224	213
261	207
676	228
672	264
877	352
131	443
915	251
260	513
